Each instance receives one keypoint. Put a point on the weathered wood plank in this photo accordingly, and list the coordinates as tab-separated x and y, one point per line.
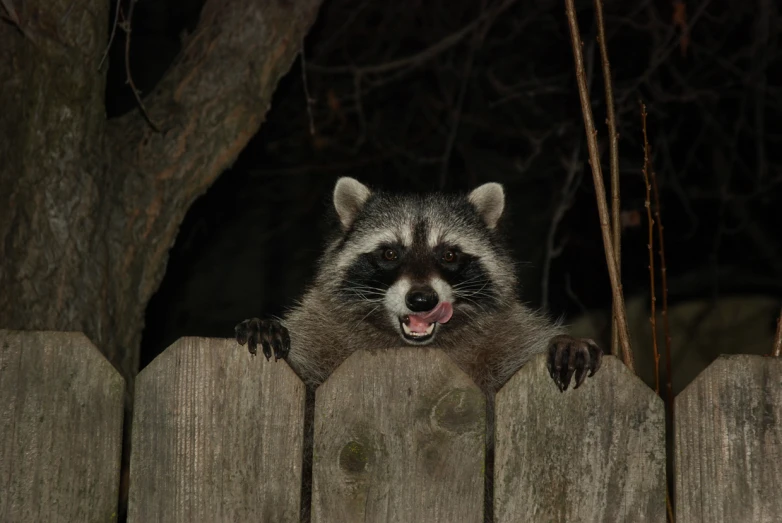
60	429
217	436
399	437
593	454
728	443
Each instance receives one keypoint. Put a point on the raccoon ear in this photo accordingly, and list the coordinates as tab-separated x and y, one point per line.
489	201
349	197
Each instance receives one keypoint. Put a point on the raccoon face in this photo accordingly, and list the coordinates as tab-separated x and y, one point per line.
415	265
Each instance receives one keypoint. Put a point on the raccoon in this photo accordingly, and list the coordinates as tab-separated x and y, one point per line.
426	270
423	270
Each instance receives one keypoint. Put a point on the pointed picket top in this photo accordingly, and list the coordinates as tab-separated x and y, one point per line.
592	454
217	436
399	436
61	405
728	442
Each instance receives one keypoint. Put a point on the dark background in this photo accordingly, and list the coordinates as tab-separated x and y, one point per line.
448	94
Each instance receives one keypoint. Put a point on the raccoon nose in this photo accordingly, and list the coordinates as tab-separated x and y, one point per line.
421	299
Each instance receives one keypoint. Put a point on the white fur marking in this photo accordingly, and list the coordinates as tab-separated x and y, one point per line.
443	289
395	298
435	236
406	233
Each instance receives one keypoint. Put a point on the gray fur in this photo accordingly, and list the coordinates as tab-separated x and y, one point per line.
489	345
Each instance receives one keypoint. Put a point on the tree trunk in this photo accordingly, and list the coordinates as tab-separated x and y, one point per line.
88	207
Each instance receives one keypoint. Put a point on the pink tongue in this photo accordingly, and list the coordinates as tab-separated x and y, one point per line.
440	314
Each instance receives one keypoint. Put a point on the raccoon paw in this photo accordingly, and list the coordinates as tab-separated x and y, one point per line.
568	356
270	334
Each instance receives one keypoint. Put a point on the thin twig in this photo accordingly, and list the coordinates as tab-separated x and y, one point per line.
307	90
113	33
664	283
572	181
13	17
613	142
600	194
569	188
9	9
777	351
126	26
650	247
420	57
457	110
649	173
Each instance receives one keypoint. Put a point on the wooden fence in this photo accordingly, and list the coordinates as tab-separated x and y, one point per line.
398	436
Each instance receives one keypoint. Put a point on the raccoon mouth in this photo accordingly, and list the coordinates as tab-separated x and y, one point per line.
416	335
420	327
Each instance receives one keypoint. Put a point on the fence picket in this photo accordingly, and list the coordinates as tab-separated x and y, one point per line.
217	436
399	437
61	426
728	445
594	454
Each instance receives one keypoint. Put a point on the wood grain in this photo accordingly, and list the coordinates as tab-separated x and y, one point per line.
399	437
217	436
595	454
728	443
60	429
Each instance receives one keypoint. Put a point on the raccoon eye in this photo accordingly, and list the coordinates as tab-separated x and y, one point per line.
449	256
390	255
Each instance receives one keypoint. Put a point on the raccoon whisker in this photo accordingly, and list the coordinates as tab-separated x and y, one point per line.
372	290
473	289
364	292
474	280
367	315
470	314
489	300
469	298
367	299
473	312
484	281
470	288
363	284
476	294
473	292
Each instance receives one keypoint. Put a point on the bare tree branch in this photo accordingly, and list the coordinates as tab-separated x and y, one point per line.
650	247
208	106
777	350
422	56
613	141
594	161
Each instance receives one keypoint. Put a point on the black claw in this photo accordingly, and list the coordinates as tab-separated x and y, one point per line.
277	347
286	343
269	334
580	377
596	355
569	357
